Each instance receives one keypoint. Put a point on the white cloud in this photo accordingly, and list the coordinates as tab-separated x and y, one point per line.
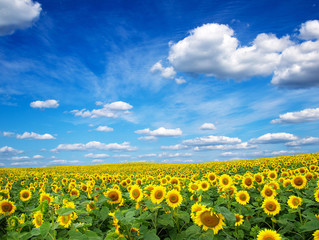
24	163
174	155
207	126
147	138
178	161
303	141
149	155
95	145
211	140
37	157
20	158
33	135
122	156
180	80
161	132
309	30
243	145
98	103
306	115
9	151
266	153
17	14
165	72
100	155
274	138
175	147
212	49
298	66
104	129
8	134
97	161
64	162
112	110
45	104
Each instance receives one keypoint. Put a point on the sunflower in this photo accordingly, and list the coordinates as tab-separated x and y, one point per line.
239	219
74	193
46	196
294	202
193	187
212	177
25	195
225	181
242	197
38	219
158	194
317	195
204	185
299	182
196	208
90	206
65	220
13	222
272	175
7	207
248	182
136	193
115	196
174	198
268	234
271	206
259	178
316	235
268	192
210	220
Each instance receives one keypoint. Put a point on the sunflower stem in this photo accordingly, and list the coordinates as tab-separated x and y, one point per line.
299	211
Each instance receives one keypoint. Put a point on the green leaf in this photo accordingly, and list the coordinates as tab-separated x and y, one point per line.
184	216
193	230
310	226
65	211
166	220
76	235
92	235
151	235
104	213
35	231
25	236
227	214
44	229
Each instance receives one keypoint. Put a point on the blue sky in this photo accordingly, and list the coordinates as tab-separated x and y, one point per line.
159	81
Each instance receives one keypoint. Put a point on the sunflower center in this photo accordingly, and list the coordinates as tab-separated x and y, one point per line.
204	185
25	195
212	177
258	179
296	202
268	237
6	207
271	206
173	198
268	192
298	181
158	194
225	181
243	197
65	219
113	195
237	218
194	187
46	198
136	193
248	181
209	220
38	220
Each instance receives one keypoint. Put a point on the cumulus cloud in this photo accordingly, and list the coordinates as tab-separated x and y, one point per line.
274	138
104	129
9	151
303	142
20	158
161	132
97	161
37	157
45	104
147	138
175	147
17	14
180	80
265	153
309	30
174	155
178	161
95	145
149	155
211	140
212	49
207	126
111	110
100	155
306	115
8	134
243	145
32	135
64	162
24	163
165	72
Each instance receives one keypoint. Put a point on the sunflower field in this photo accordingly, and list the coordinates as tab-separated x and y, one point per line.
264	199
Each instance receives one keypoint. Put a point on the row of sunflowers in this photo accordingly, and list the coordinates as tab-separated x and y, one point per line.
264	199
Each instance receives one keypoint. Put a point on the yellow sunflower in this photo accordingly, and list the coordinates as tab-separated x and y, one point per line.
248	182
317	195
174	198
136	193
268	234
204	185
259	178
210	220
75	193
37	219
90	206
225	181
268	192
294	202
271	206
212	177
115	196
65	220
239	219
193	187
272	175
158	194
25	195
7	207
242	197
46	196
299	182
316	235
196	208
